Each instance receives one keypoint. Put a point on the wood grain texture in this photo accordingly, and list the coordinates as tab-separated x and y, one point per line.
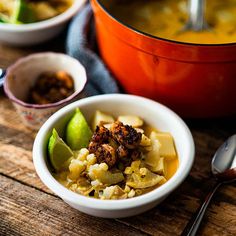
27	207
9	117
9	54
26	211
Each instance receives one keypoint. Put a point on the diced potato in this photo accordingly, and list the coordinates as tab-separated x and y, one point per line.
73	187
152	157
131	193
143	171
127	189
114	192
101	118
99	172
149	180
145	141
142	177
160	167
108	126
96	183
128	170
167	148
139	130
134	121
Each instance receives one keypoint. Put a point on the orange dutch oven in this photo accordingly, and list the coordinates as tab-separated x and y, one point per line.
194	80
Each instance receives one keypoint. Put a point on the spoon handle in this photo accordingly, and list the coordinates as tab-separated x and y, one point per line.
196	14
2	75
193	225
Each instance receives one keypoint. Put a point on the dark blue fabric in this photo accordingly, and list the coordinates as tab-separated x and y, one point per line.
81	44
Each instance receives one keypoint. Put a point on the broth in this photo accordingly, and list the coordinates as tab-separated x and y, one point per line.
120	161
166	18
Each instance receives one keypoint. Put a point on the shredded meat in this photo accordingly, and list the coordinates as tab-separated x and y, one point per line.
126	135
135	154
101	135
119	144
105	153
122	152
93	146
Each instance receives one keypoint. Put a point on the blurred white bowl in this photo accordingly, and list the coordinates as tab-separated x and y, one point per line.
154	114
35	33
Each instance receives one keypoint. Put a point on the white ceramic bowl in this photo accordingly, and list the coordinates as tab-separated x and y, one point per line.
21	76
154	114
35	33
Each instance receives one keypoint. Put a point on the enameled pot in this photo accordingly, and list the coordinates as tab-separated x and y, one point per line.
194	80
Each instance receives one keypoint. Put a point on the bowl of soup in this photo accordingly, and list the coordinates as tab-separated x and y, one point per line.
132	154
28	22
143	45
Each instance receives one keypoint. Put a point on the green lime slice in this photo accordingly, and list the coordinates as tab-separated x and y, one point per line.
17	12
78	132
2	19
58	151
22	13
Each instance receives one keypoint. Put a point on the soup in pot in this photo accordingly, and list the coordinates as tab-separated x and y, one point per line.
166	19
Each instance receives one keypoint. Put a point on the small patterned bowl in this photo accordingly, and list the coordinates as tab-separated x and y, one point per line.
21	76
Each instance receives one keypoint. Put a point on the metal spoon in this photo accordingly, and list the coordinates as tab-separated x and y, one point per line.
2	75
223	167
196	21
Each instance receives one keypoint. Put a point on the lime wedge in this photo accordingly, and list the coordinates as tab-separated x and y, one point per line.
58	151
16	12
2	20
78	133
22	13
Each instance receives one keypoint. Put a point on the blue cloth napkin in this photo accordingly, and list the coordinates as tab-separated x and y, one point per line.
81	44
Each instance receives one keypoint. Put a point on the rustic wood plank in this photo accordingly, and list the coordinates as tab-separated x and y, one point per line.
169	218
9	117
17	163
26	211
16	138
177	208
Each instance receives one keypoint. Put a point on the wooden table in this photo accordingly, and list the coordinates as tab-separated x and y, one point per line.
27	207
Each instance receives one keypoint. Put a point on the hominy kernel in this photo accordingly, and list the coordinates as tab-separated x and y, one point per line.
143	171
91	159
83	153
73	187
103	166
127	189
131	193
128	170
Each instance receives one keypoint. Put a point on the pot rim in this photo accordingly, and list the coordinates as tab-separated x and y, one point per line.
160	38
